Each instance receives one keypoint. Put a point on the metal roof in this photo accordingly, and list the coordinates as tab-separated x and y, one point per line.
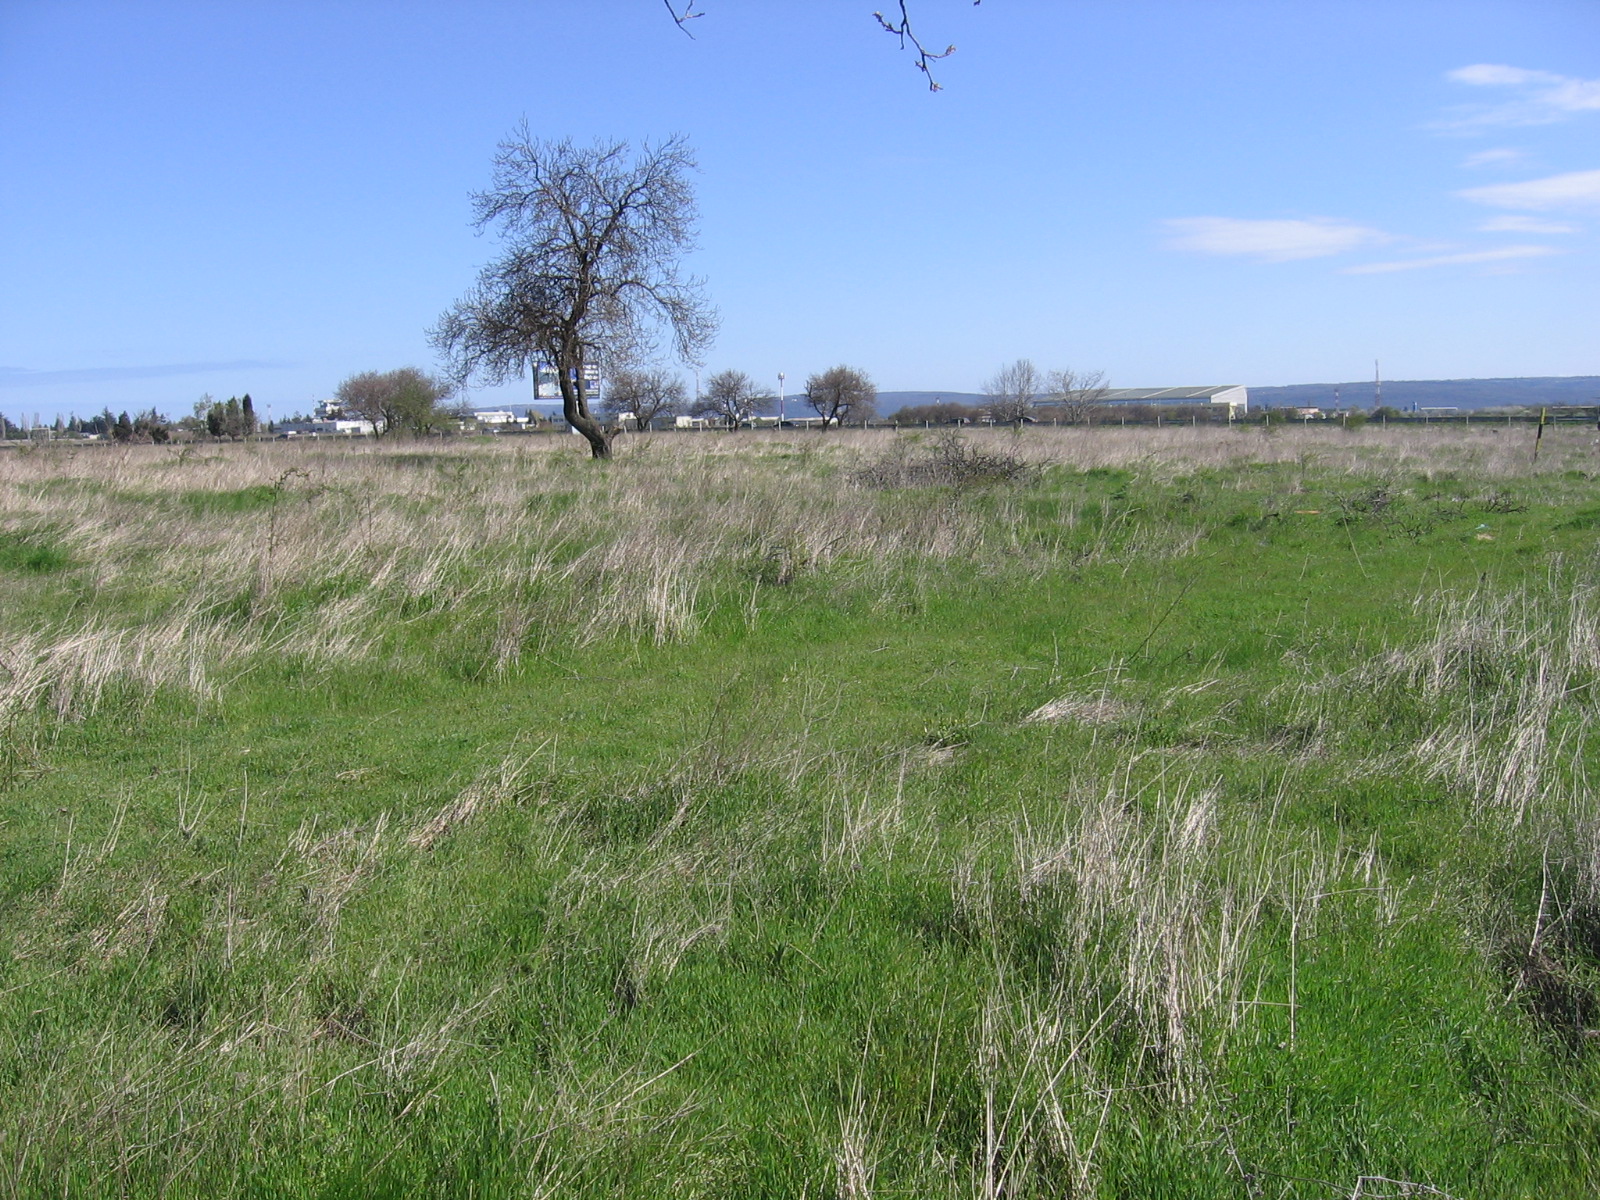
1172	395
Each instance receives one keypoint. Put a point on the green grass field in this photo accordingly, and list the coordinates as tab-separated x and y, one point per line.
1089	813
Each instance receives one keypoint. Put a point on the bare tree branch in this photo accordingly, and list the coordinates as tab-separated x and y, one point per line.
679	19
902	30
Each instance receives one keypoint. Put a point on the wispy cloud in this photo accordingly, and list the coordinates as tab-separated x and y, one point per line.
1576	189
1525	225
1537	97
20	377
1501	156
1269	240
1469	258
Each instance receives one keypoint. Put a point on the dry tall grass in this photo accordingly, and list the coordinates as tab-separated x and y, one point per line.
196	558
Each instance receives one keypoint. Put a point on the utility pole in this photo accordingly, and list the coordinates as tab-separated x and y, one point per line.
1377	385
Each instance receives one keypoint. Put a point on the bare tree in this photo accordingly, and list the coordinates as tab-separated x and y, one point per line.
842	393
406	399
1075	393
643	395
1013	391
589	270
731	396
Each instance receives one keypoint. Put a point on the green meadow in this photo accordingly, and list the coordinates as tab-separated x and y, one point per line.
1068	813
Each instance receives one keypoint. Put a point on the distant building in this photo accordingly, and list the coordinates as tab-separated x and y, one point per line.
340	427
1235	397
494	416
328	419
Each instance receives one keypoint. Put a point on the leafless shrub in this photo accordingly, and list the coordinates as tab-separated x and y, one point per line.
951	461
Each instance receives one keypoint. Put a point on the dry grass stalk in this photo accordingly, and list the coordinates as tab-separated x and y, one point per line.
332	868
1080	710
856	1161
500	784
1153	915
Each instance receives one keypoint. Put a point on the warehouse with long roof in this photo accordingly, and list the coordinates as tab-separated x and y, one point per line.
1237	398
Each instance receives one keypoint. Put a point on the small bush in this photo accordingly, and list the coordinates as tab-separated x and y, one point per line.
949	462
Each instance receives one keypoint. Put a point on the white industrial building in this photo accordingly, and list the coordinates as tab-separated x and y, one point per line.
328	418
1237	398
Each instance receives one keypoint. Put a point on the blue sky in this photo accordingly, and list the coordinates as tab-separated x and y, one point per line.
268	197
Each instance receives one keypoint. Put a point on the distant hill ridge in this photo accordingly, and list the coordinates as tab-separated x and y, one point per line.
1435	393
1397	393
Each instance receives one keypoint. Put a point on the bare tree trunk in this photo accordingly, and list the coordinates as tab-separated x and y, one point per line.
575	407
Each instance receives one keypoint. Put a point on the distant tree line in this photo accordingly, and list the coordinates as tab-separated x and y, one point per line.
636	398
232	418
1020	392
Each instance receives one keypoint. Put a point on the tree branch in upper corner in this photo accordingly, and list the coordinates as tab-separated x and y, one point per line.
902	30
681	19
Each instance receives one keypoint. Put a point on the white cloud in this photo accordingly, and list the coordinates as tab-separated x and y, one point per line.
1503	156
1576	189
1525	225
1495	75
1271	241
1504	254
1541	97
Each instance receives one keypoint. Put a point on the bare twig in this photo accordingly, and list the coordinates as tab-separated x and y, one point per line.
902	30
679	19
